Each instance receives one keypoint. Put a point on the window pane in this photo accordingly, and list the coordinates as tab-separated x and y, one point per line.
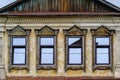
102	59
19	41
19	56
102	56
47	41
102	41
74	41
75	59
75	50
47	56
75	56
103	50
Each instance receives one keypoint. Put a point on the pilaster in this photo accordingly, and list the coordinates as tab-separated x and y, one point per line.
117	54
2	68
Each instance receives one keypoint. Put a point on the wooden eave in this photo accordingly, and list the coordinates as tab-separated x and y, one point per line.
61	14
14	4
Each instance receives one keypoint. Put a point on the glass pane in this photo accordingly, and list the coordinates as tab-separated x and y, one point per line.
75	41
47	56
102	59
102	55
47	41
102	41
47	50
75	50
75	56
103	50
19	41
47	59
19	56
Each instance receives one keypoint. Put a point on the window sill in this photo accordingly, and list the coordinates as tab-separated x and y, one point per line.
103	67
18	67
47	67
75	67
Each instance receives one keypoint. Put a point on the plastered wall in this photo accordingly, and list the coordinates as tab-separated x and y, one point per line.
63	23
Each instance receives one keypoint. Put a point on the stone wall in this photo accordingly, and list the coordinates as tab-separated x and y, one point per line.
63	23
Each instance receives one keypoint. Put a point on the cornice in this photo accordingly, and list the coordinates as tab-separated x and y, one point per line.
60	19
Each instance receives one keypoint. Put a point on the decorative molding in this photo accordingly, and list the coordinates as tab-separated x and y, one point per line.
47	31
18	31
103	31
64	19
64	25
75	31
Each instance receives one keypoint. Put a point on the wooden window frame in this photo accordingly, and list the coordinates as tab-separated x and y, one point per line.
52	46
103	46
68	47
102	31
75	31
18	32
46	32
18	46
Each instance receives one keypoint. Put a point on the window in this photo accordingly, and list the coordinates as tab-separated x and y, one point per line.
46	50
102	50
75	50
18	50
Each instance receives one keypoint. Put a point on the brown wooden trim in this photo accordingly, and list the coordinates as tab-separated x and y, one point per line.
61	14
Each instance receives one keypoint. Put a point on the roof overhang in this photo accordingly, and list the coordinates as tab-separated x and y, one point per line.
61	14
17	2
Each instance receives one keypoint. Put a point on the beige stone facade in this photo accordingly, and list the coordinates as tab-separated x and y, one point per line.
60	23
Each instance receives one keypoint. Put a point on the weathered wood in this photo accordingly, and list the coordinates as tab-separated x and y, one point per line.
62	6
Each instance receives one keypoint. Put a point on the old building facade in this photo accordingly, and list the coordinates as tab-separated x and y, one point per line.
59	39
